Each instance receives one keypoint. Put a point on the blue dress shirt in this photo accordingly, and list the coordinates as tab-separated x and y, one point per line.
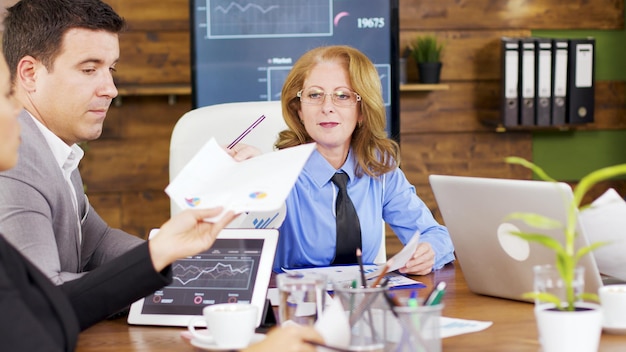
307	236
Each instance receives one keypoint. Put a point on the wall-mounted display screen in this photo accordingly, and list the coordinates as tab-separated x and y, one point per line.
242	50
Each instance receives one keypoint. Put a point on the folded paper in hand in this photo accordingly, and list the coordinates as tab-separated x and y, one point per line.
212	178
399	260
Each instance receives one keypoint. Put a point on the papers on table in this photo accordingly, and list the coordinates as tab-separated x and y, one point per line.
345	274
453	326
260	184
605	221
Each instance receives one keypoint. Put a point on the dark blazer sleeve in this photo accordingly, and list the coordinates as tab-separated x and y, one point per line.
114	286
35	314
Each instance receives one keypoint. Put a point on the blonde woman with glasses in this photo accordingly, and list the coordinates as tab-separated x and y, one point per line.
333	97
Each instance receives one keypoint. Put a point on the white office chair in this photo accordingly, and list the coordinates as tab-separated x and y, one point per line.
225	122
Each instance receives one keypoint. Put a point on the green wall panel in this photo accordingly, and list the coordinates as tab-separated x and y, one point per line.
567	156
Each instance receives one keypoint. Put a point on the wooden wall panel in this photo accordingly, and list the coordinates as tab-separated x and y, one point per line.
150	15
131	166
512	14
154	58
465	154
144	211
135	212
146	117
459	109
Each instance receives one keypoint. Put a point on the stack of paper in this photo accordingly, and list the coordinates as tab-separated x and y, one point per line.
260	184
346	273
605	221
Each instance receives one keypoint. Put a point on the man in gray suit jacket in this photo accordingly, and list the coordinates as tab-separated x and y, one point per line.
37	213
61	56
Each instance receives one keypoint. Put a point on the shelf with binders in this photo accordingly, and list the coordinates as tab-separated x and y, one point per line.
547	84
499	127
556	128
419	87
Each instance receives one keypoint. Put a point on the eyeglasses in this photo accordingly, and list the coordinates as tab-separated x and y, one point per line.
340	97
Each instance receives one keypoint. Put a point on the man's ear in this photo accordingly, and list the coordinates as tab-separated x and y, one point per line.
26	75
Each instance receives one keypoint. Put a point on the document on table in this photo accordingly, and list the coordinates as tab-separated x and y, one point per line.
605	221
213	178
345	274
454	326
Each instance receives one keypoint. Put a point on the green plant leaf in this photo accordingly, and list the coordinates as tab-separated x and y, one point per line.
527	164
544	297
426	49
589	297
567	256
594	177
590	248
542	239
535	220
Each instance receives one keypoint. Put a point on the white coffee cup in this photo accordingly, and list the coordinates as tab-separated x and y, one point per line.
613	300
230	325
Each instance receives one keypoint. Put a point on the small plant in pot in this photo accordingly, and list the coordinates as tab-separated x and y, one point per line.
426	50
558	330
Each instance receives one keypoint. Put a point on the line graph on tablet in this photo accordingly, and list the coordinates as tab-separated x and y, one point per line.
225	273
222	273
236	269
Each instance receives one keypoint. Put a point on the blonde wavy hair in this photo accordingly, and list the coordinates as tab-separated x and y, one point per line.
376	154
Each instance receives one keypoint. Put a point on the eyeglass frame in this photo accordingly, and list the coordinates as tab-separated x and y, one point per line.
358	97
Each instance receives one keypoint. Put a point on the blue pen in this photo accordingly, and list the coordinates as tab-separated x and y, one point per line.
435	297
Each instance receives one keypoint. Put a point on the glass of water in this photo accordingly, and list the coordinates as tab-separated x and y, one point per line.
301	297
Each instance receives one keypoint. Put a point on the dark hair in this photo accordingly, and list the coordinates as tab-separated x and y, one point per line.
36	27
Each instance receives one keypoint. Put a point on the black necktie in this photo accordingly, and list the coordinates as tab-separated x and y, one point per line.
348	227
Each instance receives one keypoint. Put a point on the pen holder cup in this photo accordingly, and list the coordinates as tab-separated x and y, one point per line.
421	328
371	320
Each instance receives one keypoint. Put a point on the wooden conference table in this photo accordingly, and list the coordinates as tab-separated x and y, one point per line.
513	326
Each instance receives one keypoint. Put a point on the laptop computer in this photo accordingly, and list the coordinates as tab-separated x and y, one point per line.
494	262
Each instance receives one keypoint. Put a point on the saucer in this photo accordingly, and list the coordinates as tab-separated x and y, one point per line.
615	330
212	346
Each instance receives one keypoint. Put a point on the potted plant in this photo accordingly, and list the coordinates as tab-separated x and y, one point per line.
556	329
426	50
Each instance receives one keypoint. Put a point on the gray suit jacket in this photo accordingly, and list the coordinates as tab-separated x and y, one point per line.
37	215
